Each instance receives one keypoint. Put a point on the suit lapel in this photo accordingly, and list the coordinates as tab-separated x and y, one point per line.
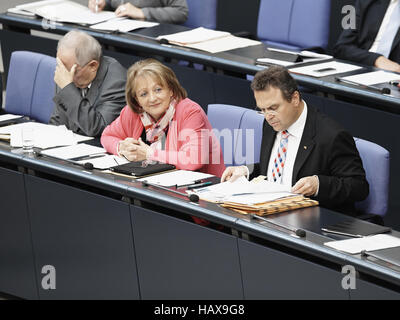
266	147
306	143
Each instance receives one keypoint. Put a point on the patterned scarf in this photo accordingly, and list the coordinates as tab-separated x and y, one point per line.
155	131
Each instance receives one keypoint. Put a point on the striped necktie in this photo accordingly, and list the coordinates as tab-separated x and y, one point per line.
279	162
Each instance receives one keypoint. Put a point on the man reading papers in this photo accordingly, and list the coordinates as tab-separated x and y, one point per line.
304	148
90	90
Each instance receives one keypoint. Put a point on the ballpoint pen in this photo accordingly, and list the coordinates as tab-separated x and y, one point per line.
97	6
198	185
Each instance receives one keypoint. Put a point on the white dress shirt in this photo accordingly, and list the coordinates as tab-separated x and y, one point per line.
384	25
295	133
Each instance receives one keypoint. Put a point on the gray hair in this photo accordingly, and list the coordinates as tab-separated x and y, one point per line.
86	47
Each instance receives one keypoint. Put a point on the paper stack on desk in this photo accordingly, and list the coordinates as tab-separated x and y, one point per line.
259	198
123	25
204	39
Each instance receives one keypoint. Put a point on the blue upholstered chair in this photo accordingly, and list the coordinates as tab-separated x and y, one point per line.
225	120
248	145
294	24
202	14
30	85
376	162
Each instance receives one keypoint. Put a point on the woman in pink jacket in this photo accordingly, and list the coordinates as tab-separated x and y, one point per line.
160	123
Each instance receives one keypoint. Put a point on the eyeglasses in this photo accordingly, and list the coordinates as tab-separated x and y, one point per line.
265	112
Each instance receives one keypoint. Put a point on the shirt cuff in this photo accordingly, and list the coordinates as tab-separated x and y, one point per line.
316	194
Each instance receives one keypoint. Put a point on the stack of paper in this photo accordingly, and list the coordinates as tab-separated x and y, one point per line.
208	40
123	25
371	243
45	136
66	11
375	77
105	162
306	56
176	178
325	69
74	151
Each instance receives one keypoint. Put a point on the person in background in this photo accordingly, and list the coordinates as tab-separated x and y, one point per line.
375	41
161	124
303	148
90	90
164	11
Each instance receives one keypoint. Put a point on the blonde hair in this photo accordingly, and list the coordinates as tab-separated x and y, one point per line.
159	73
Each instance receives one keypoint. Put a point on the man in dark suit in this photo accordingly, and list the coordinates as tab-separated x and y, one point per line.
90	90
376	39
304	148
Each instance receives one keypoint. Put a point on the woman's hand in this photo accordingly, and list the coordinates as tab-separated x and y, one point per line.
134	150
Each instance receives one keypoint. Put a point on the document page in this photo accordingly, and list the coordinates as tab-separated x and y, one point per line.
67	11
74	151
325	69
106	162
176	178
123	25
223	44
194	36
370	243
375	77
6	117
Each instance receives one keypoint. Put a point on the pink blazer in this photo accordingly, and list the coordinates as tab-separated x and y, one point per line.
190	143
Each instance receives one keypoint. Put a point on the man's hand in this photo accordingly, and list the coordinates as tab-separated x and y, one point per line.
63	77
96	5
134	150
233	173
129	10
307	186
386	64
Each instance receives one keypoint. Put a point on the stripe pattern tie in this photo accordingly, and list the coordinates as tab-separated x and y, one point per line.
279	162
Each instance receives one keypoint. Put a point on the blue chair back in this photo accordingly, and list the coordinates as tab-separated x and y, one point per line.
294	24
202	13
376	162
30	85
225	120
248	145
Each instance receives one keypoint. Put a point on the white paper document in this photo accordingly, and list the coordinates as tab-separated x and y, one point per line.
106	162
223	44
307	56
176	178
194	36
123	25
325	69
370	243
74	151
244	192
6	117
45	136
375	77
66	11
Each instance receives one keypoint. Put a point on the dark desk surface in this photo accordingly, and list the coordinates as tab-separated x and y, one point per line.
240	61
309	219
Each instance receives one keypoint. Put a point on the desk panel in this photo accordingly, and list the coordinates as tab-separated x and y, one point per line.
17	276
272	274
86	237
369	291
182	260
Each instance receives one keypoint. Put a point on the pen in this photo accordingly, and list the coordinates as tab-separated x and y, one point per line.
198	185
189	184
91	156
381	90
97	6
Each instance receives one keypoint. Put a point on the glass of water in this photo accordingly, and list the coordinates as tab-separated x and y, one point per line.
28	139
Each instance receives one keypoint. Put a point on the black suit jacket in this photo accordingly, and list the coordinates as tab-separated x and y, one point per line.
353	45
326	150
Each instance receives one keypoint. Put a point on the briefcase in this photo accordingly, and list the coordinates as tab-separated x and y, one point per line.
142	168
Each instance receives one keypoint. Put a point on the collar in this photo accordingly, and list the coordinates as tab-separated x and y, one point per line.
297	128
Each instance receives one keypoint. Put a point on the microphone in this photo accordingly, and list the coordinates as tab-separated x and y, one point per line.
299	232
381	90
192	197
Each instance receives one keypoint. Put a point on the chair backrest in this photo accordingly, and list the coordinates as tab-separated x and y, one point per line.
225	120
376	162
30	85
248	145
294	24
202	14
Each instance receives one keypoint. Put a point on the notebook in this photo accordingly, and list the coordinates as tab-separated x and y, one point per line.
142	168
356	228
